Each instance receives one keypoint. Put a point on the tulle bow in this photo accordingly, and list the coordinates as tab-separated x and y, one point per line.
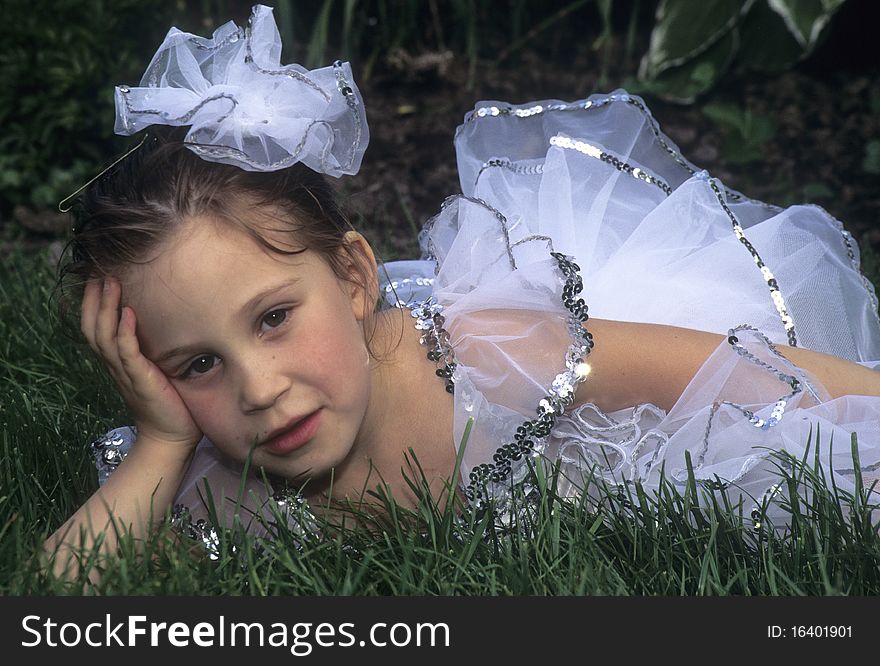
243	106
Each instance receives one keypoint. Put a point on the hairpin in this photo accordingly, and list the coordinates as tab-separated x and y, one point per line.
94	178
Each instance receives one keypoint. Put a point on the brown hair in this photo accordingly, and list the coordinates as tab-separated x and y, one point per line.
125	214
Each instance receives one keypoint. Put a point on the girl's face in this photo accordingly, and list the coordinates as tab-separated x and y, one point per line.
255	341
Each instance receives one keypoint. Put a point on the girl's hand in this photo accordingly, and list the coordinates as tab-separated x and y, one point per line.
158	410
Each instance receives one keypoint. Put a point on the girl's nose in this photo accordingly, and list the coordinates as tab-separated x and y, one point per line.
260	390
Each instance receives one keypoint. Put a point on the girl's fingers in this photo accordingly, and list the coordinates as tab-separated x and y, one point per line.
107	321
126	338
89	310
141	373
133	362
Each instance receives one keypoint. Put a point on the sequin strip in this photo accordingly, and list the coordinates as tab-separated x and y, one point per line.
198	42
225	151
757	512
125	90
342	84
294	508
532	238
794	382
222	151
763	424
492	111
524	169
531	436
351	101
291	73
395	285
775	294
429	318
109	452
679	159
849	241
599	154
200	530
229	39
588	149
499	216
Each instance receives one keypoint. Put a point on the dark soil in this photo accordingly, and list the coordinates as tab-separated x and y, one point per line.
824	119
826	110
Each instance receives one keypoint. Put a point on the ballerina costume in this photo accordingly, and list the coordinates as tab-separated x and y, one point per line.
586	209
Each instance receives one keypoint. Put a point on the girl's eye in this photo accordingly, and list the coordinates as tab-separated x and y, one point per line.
201	365
275	318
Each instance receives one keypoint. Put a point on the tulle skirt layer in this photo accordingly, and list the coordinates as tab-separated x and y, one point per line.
657	240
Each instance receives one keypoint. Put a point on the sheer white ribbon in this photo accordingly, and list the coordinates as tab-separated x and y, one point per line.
244	107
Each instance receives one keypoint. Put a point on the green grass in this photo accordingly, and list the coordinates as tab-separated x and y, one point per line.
55	399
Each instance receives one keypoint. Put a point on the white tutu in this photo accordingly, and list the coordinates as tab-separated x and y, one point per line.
656	241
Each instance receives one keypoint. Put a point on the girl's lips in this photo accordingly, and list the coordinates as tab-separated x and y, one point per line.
295	437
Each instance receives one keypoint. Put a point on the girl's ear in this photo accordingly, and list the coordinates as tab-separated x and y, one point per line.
362	274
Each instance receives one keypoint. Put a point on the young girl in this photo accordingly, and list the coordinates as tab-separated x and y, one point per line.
236	309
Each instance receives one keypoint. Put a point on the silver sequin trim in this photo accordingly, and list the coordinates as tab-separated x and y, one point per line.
295	511
769	278
180	119
342	83
291	73
394	286
351	101
429	319
531	436
600	154
201	530
849	242
797	385
524	169
109	451
292	509
722	194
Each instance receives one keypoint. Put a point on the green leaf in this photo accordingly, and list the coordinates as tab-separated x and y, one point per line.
759	129
745	133
737	151
805	19
765	42
682	84
813	191
871	163
874	101
727	116
685	30
9	179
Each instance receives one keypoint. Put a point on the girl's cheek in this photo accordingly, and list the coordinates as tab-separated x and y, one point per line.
207	410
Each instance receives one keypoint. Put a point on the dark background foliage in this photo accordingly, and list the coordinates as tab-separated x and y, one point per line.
807	130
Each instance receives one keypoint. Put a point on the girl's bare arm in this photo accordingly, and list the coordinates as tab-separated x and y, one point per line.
142	487
133	500
634	363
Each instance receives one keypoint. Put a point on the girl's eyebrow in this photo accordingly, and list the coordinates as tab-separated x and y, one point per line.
255	300
251	304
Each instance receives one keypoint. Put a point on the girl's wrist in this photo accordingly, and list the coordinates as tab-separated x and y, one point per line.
167	448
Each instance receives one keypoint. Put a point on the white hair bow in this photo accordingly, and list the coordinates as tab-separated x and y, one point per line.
243	107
